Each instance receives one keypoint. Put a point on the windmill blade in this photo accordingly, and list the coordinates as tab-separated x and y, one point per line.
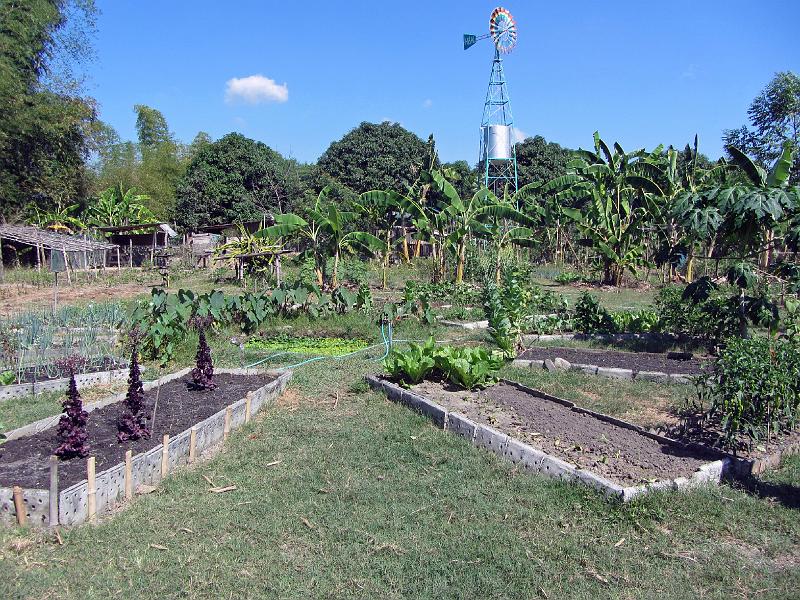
469	40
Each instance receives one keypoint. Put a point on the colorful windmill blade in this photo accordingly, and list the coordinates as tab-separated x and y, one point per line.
503	30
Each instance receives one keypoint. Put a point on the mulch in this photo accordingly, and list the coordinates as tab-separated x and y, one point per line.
635	361
25	461
617	453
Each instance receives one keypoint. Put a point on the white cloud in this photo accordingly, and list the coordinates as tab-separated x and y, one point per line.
255	89
519	136
428	103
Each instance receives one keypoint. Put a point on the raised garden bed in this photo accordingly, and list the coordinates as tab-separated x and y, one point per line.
553	437
668	367
108	371
195	421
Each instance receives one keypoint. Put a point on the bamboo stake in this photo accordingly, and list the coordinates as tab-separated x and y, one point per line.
247	401
165	456
192	444
91	490
226	430
53	491
129	474
66	265
19	506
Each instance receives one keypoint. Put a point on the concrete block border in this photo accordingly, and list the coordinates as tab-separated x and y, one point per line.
72	505
609	372
533	460
82	380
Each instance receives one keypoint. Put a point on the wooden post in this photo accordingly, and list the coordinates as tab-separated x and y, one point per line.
129	474
226	429
165	456
119	260
2	266
19	506
39	258
130	252
53	491
247	401
91	489
153	249
192	444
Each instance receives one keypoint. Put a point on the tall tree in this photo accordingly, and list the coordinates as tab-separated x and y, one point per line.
46	125
383	156
774	119
540	161
235	179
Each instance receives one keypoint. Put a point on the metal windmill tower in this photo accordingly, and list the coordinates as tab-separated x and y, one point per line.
498	156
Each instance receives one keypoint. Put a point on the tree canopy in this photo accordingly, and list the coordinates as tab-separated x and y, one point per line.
383	156
235	179
539	160
774	119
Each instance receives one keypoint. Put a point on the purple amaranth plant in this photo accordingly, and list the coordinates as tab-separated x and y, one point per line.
203	373
72	425
132	424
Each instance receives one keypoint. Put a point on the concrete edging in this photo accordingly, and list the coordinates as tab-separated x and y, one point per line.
18	390
110	484
533	460
610	372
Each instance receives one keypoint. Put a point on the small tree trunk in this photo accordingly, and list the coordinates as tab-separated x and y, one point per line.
335	277
462	258
497	267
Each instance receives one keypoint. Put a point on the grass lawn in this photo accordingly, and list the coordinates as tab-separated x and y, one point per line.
369	500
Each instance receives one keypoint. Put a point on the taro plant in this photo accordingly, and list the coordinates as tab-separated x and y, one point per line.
71	430
203	372
132	424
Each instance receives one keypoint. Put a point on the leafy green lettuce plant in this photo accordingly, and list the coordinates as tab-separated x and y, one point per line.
413	364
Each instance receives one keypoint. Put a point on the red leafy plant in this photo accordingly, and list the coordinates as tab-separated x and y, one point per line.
132	424
203	373
72	425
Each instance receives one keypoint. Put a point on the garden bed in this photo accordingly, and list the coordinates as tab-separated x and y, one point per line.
194	420
110	370
616	363
553	437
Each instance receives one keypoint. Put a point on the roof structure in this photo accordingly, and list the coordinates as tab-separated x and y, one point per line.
50	240
147	226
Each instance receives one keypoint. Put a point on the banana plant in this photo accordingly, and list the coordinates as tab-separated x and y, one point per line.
382	207
62	219
610	191
116	207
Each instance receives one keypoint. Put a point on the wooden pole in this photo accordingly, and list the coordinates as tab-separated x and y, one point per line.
129	474
165	456
53	491
192	444
19	506
247	401
130	252
119	260
153	249
2	266
91	489
66	265
38	258
226	429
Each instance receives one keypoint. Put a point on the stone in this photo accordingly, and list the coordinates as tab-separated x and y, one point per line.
615	373
549	365
562	363
656	376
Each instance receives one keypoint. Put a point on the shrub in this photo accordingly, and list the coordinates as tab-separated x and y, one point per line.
567	277
590	317
754	389
72	424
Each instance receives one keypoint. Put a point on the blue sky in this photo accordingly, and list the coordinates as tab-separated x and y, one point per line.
642	73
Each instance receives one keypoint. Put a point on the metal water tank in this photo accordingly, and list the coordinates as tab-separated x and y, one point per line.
497	142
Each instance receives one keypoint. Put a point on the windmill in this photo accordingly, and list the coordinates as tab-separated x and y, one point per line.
498	156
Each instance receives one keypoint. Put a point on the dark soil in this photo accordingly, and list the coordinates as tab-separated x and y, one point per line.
619	454
24	461
50	372
635	361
